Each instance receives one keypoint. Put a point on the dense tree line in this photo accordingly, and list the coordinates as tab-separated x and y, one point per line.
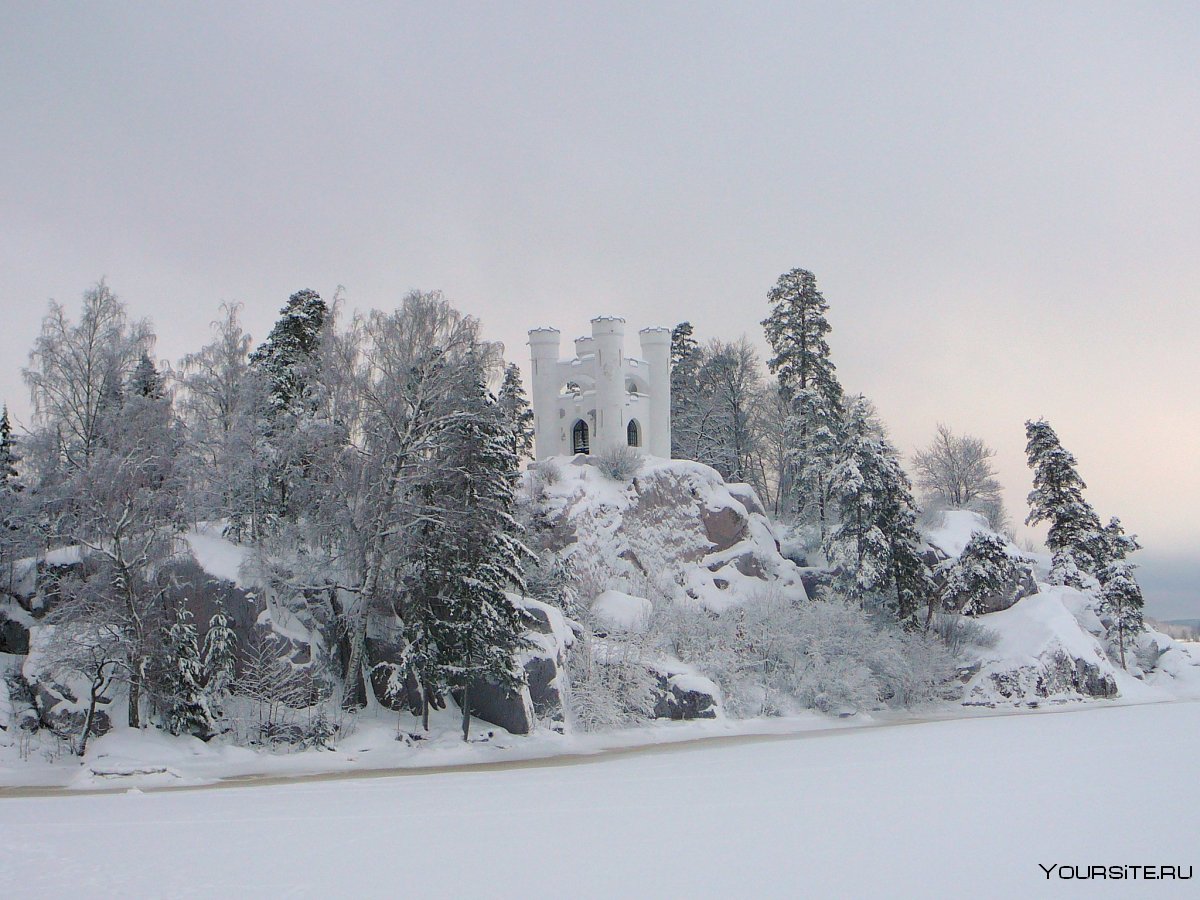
366	462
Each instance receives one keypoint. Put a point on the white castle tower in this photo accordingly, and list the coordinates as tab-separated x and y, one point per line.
601	398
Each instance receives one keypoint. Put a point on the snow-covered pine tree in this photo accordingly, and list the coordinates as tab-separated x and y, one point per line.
8	455
286	365
462	628
183	678
146	380
109	410
796	329
288	354
912	581
1121	604
218	662
858	485
982	570
1057	498
515	407
876	544
1111	544
685	368
15	520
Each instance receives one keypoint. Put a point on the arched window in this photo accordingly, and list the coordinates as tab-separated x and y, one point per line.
579	437
634	433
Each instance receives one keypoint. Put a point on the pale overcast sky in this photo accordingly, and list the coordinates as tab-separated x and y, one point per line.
1001	202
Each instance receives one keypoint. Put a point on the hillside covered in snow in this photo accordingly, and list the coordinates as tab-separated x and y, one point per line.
677	604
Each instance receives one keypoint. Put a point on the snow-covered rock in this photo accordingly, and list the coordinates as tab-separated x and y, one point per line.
948	533
545	663
1050	647
676	529
60	699
622	612
15	623
950	530
683	693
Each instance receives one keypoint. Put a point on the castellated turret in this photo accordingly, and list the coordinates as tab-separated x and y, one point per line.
602	398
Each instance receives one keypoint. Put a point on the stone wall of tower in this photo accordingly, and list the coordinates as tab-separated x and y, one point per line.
656	350
608	335
543	352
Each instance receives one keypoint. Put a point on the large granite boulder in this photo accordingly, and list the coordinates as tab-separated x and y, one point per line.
1058	675
511	709
550	635
676	524
59	697
391	682
15	623
35	583
680	692
1043	648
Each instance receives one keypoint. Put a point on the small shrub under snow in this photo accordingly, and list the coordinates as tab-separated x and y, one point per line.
618	463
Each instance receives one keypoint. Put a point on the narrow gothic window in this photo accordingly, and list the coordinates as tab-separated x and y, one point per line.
579	437
634	433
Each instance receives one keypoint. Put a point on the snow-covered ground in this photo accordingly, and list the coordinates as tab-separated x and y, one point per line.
968	807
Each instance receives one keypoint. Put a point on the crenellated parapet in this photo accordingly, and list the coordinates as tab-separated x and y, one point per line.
601	398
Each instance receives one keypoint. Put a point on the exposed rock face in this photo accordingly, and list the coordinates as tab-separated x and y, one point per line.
948	536
1022	585
34	582
184	583
60	701
676	524
541	674
511	709
63	713
1044	650
674	702
393	686
724	527
1061	675
517	711
550	635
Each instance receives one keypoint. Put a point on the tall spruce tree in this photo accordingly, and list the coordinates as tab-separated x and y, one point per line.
912	586
982	570
461	627
875	544
286	366
515	406
8	455
287	356
686	360
218	661
14	521
796	329
187	705
1057	498
146	381
1121	605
